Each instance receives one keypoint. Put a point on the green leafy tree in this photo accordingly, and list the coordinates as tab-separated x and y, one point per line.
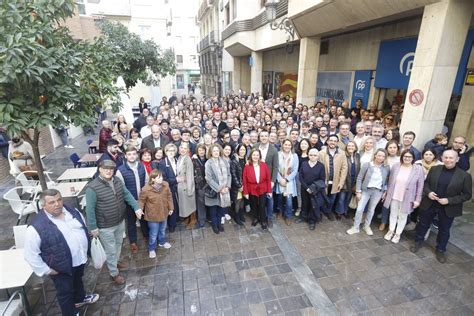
139	59
48	78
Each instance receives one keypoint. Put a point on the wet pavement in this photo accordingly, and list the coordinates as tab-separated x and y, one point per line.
288	270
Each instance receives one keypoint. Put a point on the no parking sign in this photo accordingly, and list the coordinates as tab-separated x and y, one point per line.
416	97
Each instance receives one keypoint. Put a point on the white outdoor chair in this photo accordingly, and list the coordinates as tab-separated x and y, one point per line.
20	206
22	178
19	232
12	307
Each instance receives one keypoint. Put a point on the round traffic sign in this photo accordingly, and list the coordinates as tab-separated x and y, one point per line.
416	97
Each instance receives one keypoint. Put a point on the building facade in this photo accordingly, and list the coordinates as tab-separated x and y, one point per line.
170	24
416	52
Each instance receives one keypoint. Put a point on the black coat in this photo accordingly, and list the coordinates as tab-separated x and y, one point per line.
459	190
236	170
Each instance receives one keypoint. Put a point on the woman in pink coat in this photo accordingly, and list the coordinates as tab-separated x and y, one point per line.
405	188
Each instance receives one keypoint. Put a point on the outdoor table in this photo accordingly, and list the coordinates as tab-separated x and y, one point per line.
90	159
15	272
70	189
93	146
75	174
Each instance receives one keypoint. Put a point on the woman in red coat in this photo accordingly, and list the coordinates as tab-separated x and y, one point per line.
256	180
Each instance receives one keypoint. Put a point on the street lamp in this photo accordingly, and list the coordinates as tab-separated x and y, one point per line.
285	24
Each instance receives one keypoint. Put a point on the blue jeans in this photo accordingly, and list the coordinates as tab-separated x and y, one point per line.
269	206
285	205
385	214
444	225
216	212
370	197
343	202
157	231
131	225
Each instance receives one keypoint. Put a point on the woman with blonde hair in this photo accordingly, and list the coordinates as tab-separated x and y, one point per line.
370	189
169	167
367	150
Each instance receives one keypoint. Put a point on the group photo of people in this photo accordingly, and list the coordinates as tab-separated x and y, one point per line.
247	160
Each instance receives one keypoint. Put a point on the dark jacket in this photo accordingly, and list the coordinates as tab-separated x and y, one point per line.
139	122
271	160
236	169
199	173
55	251
104	135
350	181
148	142
170	177
459	190
107	156
129	178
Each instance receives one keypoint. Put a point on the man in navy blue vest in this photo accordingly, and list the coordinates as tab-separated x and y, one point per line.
56	244
134	176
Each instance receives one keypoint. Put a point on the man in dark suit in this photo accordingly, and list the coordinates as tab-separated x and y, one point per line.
270	156
156	139
446	189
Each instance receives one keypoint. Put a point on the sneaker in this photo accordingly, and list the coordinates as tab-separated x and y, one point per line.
137	223
152	254
388	235
227	217
352	231
88	299
427	234
396	238
166	245
223	220
368	230
298	212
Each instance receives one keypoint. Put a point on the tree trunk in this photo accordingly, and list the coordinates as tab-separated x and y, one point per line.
36	155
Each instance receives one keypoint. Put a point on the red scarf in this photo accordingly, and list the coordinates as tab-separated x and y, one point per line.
147	165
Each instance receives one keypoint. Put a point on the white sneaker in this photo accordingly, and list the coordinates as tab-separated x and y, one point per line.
166	245
388	235
298	212
368	230
353	230
223	220
137	223
396	238
152	254
227	217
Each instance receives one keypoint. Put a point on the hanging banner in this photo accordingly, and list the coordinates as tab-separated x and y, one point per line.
361	87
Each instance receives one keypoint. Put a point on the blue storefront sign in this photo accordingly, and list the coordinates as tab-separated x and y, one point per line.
395	63
334	85
361	87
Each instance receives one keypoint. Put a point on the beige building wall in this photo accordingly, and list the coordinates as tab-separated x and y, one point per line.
280	60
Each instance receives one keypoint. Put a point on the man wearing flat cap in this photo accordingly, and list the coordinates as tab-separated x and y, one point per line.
106	196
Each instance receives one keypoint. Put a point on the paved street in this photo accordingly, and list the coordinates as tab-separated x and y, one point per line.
285	271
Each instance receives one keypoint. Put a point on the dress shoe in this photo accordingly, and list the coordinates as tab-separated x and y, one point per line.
330	216
312	226
264	226
122	266
346	216
287	222
215	229
238	221
441	256
299	220
134	247
415	247
382	227
255	222
221	228
270	223
242	217
278	215
118	279
338	217
171	229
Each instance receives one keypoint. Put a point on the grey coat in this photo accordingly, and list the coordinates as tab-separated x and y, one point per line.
366	173
212	180
186	197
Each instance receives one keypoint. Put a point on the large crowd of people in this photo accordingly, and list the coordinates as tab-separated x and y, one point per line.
252	161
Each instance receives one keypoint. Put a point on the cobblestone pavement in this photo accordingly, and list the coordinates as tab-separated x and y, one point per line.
288	270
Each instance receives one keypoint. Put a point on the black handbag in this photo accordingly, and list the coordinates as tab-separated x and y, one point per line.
209	192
